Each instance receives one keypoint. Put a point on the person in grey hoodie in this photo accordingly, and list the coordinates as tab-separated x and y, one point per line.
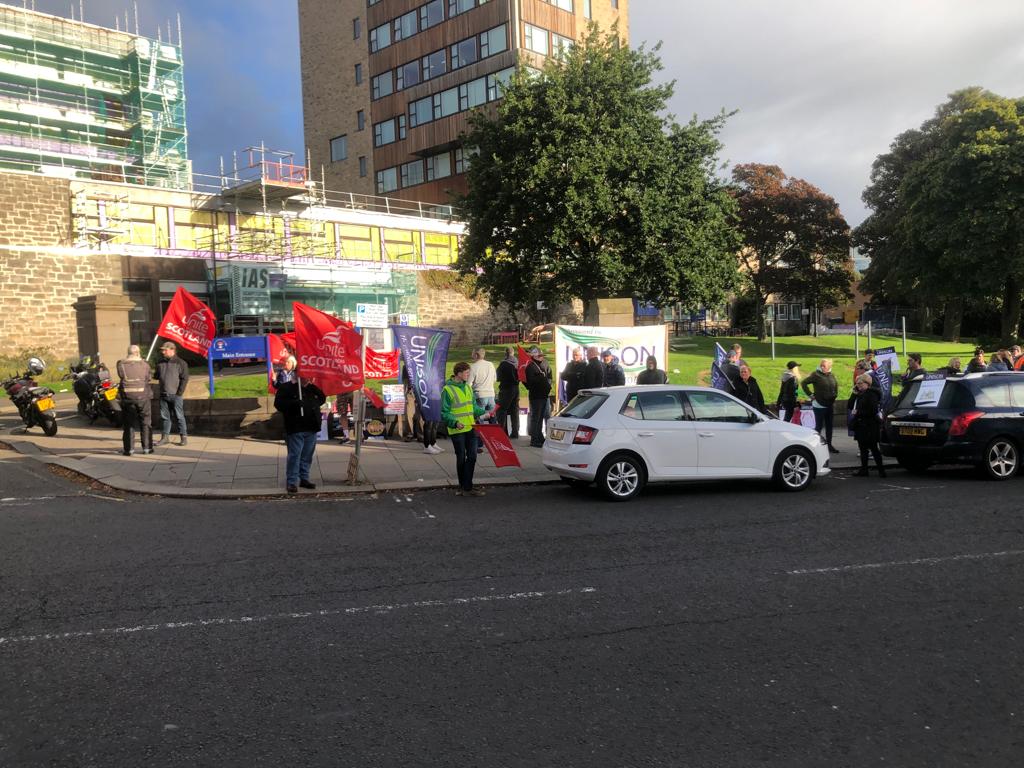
652	374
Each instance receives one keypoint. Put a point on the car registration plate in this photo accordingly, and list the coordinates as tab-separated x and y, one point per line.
913	432
45	404
557	434
110	394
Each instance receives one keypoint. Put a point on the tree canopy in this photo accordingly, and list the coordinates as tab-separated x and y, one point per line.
796	242
947	202
581	187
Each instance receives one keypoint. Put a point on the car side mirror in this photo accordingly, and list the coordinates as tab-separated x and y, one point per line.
754	418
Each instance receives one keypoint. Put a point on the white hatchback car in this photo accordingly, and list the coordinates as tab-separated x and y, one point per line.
625	437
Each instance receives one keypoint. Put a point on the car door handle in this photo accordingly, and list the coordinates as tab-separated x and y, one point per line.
645	434
706	434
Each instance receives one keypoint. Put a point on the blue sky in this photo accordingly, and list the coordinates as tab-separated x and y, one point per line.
821	88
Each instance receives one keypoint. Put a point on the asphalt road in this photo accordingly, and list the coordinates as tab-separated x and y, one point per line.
860	623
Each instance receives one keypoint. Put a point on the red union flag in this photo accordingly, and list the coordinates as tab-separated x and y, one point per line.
524	360
189	322
381	365
328	350
498	445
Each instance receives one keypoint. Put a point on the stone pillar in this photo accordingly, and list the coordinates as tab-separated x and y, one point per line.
103	326
611	312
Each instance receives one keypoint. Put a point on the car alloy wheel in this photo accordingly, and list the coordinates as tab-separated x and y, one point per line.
1001	459
794	470
622	477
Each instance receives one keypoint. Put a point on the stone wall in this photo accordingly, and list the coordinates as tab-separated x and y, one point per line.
43	275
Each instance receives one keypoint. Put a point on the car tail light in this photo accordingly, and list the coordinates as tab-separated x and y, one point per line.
584	436
961	423
105	384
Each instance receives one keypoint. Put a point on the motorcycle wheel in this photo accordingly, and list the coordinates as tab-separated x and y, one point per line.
49	425
114	417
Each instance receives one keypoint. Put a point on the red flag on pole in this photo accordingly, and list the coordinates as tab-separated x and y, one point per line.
189	322
373	397
498	445
524	360
328	350
381	365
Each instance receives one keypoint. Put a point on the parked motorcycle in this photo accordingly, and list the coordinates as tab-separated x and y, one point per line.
34	403
97	396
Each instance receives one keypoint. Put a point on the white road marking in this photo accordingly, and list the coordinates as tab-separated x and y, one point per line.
226	621
890	488
900	563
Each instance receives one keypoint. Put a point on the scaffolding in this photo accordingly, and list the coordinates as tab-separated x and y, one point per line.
79	100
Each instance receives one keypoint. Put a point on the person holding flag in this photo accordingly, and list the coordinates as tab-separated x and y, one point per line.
720	370
459	412
299	402
189	322
507	375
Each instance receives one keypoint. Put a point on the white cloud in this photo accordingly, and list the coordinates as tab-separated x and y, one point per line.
824	87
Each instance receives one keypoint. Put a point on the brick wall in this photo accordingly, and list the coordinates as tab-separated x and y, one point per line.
42	274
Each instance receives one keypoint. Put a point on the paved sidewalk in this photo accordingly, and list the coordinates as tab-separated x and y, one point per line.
233	467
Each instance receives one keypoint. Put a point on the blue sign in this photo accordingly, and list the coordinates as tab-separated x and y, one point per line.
239	348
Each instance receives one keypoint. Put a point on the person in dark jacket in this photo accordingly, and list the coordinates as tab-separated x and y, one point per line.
172	373
749	391
299	402
136	400
824	389
538	388
731	371
614	375
652	374
977	363
952	369
866	424
574	375
914	369
1001	361
508	393
594	377
788	390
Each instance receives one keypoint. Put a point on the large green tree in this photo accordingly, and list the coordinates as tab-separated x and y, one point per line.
796	242
581	187
947	202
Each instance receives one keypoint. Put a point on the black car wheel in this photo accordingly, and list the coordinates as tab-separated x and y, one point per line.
621	477
794	469
1002	459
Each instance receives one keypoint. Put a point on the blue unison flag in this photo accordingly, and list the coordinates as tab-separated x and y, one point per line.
718	378
425	352
883	375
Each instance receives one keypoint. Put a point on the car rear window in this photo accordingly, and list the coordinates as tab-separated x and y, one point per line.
954	396
583	406
994	394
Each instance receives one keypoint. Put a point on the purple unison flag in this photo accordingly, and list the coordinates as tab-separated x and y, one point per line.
425	352
883	375
718	378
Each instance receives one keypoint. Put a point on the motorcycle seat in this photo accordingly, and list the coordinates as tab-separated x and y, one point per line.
39	391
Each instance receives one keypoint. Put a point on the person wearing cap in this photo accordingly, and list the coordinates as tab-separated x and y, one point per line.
172	373
614	376
788	390
538	389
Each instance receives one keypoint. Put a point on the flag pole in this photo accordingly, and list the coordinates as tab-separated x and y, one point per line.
359	403
155	339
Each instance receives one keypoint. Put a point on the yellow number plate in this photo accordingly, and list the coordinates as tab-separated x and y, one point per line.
557	434
45	404
110	394
913	432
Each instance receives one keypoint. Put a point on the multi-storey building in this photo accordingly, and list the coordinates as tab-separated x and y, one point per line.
388	85
79	100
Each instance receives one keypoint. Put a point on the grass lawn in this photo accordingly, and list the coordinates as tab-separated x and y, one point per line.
691	357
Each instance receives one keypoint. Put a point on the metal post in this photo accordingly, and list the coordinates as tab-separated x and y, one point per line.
773	338
904	319
856	338
869	335
359	405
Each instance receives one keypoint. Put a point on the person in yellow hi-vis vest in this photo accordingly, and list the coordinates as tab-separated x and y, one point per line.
459	412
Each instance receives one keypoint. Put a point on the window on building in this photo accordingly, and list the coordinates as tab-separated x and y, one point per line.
383	133
565	5
455	7
439	166
387	180
380	37
586	9
497	82
431	14
412	173
357	28
493	41
464	53
362	166
382	85
407	75
615	3
401	126
463	159
560	45
446	103
536	39
360	120
473	94
359	74
406	25
372	2
433	65
421	111
339	148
